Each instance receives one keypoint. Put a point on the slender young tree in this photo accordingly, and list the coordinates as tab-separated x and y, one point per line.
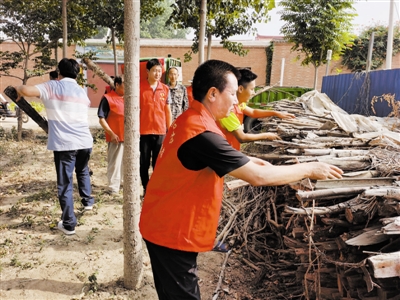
314	27
133	261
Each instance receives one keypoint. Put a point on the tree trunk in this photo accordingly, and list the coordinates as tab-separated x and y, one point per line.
114	52
133	260
202	32
65	30
209	41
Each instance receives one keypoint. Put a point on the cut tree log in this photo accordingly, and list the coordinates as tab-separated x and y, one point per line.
98	71
385	265
11	92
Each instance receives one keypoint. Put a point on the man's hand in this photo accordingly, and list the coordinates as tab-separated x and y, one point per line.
269	136
114	138
285	115
323	171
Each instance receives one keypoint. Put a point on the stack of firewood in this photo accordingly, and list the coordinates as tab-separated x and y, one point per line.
328	239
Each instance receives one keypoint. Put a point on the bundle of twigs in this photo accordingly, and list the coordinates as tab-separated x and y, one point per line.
386	161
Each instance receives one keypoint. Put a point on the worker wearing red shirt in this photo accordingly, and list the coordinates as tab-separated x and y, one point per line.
155	118
181	208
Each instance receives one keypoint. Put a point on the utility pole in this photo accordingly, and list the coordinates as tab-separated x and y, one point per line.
328	59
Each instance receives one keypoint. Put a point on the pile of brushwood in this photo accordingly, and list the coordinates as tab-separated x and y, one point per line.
327	239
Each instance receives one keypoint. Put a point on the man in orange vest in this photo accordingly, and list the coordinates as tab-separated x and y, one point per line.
233	124
111	118
182	204
155	118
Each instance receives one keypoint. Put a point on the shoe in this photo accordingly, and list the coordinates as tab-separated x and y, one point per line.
111	192
221	247
88	207
61	227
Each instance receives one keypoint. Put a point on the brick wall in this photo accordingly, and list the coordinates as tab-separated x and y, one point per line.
256	59
294	73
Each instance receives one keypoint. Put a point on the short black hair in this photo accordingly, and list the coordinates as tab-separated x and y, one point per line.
69	67
152	62
247	76
53	75
211	73
118	79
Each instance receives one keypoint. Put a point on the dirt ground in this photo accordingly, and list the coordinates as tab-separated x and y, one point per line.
38	262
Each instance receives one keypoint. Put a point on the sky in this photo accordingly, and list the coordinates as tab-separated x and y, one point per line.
369	13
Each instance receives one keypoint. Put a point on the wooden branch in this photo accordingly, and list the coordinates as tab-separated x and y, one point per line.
321	194
221	276
235	184
388	192
322	210
356	182
98	71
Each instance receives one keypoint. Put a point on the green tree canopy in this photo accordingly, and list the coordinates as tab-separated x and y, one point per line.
355	57
224	19
156	27
314	27
34	26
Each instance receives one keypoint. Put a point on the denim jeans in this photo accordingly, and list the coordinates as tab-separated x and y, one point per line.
150	146
66	162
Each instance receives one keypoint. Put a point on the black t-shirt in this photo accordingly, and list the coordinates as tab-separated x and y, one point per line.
104	108
211	150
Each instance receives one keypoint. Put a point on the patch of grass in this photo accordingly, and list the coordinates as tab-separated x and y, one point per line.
106	220
89	238
14	211
93	284
15	262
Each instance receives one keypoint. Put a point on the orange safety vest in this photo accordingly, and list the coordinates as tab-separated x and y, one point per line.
229	136
152	108
115	118
181	207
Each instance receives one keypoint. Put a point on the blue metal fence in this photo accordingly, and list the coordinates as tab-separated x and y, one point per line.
354	92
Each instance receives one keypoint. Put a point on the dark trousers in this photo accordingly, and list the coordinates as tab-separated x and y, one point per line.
174	272
66	162
150	146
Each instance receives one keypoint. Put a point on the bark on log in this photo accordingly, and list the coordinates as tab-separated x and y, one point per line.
98	71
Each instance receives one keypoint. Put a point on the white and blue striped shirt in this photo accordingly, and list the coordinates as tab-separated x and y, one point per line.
67	107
